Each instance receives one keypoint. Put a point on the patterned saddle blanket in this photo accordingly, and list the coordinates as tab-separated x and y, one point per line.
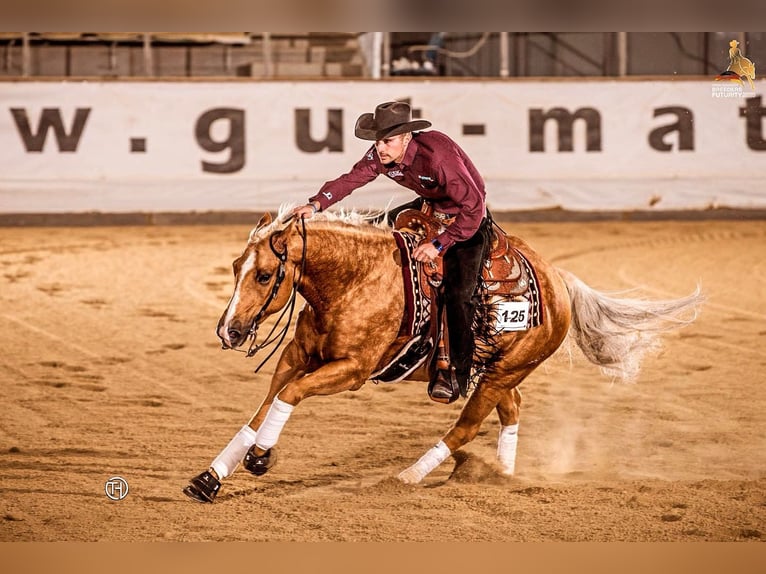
416	321
506	276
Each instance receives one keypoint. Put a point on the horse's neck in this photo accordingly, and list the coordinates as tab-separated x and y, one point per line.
338	260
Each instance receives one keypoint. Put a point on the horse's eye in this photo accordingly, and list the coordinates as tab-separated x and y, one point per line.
263	278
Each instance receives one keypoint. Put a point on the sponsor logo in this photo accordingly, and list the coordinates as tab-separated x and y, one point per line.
327	194
395	173
737	80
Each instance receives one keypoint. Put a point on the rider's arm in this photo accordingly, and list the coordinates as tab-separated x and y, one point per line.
463	191
364	171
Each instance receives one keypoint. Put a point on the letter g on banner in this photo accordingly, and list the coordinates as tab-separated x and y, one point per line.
234	141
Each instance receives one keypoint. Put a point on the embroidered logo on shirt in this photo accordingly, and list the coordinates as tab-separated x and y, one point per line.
327	194
370	155
427	182
395	173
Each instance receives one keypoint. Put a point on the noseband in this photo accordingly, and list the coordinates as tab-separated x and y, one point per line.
289	308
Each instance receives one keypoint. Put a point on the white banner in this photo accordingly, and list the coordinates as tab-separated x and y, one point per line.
183	146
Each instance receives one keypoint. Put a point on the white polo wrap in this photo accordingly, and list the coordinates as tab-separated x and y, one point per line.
268	433
429	461
506	447
226	462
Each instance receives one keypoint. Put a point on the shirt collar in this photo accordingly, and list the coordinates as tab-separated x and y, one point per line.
409	155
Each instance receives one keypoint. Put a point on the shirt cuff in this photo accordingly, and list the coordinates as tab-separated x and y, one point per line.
445	241
321	200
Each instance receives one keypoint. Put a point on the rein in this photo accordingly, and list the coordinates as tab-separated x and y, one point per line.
288	309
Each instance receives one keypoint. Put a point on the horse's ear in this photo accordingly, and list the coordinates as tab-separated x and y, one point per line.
265	220
280	238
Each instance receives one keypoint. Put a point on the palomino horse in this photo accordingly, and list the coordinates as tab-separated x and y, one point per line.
345	270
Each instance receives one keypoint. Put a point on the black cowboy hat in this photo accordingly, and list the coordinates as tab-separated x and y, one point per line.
389	119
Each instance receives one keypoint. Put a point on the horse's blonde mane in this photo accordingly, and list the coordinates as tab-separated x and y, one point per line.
373	221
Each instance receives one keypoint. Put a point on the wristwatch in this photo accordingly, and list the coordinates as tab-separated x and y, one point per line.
439	247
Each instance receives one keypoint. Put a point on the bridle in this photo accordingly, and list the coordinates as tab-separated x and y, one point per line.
288	309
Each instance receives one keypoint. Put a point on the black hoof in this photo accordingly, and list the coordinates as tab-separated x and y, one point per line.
259	465
203	487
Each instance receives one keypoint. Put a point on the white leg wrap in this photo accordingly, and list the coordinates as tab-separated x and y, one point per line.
429	461
268	433
506	448
226	462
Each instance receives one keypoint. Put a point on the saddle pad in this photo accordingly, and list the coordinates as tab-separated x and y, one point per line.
417	308
520	285
416	320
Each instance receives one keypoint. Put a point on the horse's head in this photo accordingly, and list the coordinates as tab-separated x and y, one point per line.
263	279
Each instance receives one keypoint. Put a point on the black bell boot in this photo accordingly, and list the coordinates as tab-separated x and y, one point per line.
259	465
203	487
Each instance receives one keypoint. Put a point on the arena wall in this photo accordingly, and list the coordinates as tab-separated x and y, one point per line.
127	146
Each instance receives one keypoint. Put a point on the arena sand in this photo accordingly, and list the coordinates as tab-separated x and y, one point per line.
110	367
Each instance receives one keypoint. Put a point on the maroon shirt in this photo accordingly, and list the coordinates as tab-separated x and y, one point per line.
435	168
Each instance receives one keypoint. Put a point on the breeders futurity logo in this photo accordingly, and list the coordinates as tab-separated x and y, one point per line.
729	84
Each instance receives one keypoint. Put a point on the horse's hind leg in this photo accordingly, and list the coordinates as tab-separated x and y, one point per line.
508	410
486	397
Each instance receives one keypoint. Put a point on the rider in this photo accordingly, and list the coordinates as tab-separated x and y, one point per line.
439	171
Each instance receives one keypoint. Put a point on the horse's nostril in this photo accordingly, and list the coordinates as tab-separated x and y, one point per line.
234	334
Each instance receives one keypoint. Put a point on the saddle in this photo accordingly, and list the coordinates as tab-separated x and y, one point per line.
424	226
505	276
505	271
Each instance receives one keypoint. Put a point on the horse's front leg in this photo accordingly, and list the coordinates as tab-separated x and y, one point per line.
293	364
331	378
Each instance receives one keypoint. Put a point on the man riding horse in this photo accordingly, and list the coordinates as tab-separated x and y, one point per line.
441	173
351	324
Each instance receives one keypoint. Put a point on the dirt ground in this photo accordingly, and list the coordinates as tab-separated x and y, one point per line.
110	367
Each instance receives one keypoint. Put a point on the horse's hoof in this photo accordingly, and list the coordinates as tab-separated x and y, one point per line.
259	465
203	487
410	476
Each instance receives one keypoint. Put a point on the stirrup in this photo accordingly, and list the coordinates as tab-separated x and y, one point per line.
259	465
203	487
444	387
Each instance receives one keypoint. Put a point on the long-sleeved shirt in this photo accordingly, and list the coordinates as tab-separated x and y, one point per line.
435	168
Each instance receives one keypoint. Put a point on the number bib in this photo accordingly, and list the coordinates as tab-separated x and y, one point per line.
512	315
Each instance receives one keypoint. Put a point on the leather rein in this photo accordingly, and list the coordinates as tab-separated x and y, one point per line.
288	309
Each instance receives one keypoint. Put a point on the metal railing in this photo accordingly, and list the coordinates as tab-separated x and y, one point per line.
534	54
387	54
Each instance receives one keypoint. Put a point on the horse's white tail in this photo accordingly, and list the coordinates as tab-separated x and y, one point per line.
616	333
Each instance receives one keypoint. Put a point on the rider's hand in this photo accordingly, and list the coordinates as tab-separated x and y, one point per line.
425	252
306	211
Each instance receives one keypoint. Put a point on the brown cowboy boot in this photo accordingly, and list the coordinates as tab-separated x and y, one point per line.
444	387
